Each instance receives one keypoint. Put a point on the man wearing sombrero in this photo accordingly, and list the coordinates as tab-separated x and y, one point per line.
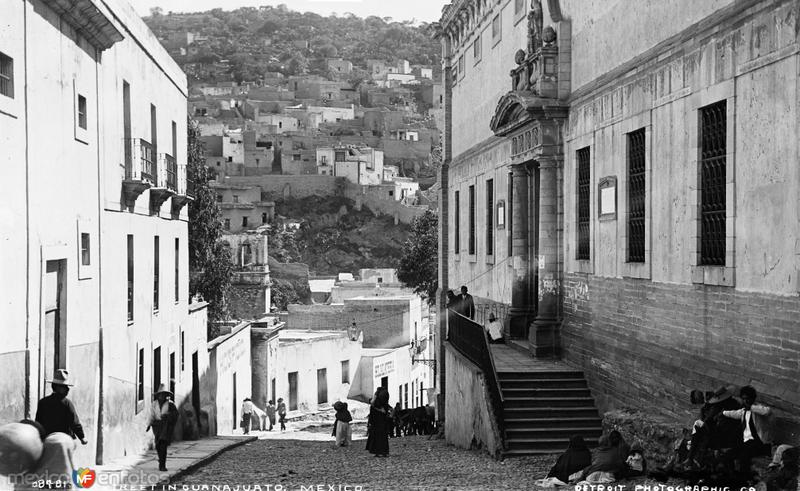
57	413
163	416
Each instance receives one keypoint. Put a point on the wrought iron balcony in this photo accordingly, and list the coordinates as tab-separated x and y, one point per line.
139	168
184	189
165	182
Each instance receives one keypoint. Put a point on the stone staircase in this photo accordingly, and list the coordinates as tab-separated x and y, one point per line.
543	408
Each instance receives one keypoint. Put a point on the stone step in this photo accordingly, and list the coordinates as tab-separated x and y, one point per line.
540	374
568	422
543	383
549	412
549	402
555	444
588	433
548	392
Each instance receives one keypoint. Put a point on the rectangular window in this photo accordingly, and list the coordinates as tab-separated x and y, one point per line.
457	223
183	349
130	277
156	368
713	146
235	198
6	76
584	188
518	6
172	372
81	111
471	242
322	385
177	269
219	198
174	140
636	196
263	218
154	129
156	270
405	396
476	49
227	224
461	66
86	252
346	371
140	376
496	28
490	217
244	221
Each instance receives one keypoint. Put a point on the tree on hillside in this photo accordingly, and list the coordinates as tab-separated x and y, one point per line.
419	265
210	263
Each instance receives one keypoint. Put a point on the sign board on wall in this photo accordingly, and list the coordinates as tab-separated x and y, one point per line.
384	368
607	196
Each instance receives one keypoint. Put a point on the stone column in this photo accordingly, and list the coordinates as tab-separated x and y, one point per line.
542	336
521	312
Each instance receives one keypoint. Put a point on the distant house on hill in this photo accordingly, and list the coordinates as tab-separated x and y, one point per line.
359	165
339	66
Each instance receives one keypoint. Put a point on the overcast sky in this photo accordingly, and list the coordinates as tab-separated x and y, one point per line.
421	10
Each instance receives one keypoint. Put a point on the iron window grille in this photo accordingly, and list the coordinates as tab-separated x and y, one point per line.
713	127
457	223
471	243
6	76
490	217
584	189
636	196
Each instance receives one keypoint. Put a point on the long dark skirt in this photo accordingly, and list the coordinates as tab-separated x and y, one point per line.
378	434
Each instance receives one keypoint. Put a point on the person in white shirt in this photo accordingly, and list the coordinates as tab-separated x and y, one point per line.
756	428
247	412
495	329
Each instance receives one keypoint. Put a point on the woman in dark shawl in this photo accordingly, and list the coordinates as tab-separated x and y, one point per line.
607	458
576	457
378	424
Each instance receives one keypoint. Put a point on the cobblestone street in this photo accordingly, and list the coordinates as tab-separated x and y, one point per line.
308	458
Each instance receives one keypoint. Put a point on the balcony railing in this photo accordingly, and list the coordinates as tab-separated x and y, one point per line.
139	160
471	340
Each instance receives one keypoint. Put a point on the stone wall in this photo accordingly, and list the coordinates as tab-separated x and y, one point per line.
377	199
247	301
469	423
645	345
279	186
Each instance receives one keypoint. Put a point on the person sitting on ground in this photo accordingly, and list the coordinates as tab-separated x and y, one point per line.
495	330
784	475
673	467
577	457
607	463
341	426
709	432
636	463
615	440
755	427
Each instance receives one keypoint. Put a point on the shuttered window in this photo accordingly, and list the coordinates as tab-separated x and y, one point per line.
471	244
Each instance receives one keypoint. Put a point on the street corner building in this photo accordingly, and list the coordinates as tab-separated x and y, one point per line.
621	185
93	225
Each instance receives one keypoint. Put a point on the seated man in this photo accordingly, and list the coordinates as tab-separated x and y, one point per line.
755	427
708	432
495	329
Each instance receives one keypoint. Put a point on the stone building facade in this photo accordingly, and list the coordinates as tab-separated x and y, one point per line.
630	190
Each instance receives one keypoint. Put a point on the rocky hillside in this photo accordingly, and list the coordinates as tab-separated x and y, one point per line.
335	237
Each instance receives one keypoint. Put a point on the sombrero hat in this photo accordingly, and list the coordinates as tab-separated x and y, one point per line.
61	377
162	389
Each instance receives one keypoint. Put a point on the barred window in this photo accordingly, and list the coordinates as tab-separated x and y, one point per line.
490	217
6	76
471	244
457	223
584	188
636	196
713	134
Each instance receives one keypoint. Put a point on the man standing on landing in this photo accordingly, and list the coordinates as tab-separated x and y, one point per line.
467	305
